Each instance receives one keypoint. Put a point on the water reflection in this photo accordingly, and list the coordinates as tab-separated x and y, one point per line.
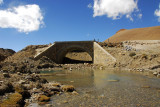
76	78
97	78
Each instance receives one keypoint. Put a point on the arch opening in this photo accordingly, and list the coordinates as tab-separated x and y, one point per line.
76	56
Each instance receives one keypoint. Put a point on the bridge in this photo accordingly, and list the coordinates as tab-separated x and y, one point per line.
58	50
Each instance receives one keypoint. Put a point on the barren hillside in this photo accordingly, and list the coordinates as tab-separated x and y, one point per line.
4	53
149	33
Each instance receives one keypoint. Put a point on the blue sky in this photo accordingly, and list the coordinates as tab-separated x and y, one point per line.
32	22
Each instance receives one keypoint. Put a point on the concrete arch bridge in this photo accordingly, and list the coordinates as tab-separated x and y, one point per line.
58	50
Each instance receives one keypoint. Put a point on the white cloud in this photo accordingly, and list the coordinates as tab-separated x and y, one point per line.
140	16
157	13
129	16
1	1
26	18
115	9
89	5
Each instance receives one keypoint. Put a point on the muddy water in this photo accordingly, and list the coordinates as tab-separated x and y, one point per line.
106	88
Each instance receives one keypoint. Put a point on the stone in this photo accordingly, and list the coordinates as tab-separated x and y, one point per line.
65	101
21	82
43	98
18	73
67	88
101	67
158	76
146	87
6	75
14	100
6	88
48	105
113	80
28	77
56	84
70	69
75	93
155	73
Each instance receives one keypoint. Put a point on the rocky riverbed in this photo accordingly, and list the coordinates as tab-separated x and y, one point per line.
106	88
20	89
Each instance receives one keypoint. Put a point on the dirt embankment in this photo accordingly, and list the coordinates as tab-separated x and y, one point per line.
24	62
148	33
4	53
135	59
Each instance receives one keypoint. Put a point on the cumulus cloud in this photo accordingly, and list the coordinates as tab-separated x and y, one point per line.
157	13
89	5
26	18
140	16
1	1
115	9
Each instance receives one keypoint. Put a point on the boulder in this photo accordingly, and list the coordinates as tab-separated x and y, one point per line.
14	100
155	73
43	98
67	88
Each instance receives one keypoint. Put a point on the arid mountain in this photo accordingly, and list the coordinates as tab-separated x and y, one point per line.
149	33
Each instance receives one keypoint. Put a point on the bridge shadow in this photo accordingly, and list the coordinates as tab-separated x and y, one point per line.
73	61
76	57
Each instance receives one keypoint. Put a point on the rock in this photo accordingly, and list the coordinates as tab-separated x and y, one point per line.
71	81
70	69
21	82
75	93
113	80
28	77
158	75
35	90
14	100
65	101
155	73
67	88
18	73
101	68
48	105
6	88
49	87
43	80
146	87
43	98
6	75
56	84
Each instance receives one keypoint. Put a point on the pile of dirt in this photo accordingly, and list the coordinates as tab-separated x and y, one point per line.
4	53
23	61
149	33
27	52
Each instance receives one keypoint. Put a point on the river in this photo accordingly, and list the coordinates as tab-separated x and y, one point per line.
106	88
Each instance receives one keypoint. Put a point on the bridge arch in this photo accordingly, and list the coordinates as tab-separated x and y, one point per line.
62	53
58	50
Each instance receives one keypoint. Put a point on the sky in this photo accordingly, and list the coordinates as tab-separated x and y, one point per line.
35	22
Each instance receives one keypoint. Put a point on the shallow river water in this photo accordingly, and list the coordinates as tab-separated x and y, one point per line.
106	88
